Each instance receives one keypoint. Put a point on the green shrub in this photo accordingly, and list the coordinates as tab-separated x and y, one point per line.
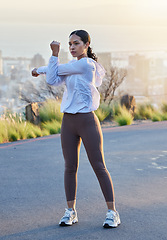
30	134
50	111
3	131
148	113
53	127
32	131
13	135
144	111
21	128
116	108
141	111
149	105
101	114
124	118
164	116
108	109
164	107
137	116
1	138
45	132
156	117
104	112
36	130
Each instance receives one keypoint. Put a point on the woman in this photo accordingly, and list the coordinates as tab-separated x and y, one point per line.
81	98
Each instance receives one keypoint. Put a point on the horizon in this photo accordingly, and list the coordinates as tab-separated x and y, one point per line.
114	25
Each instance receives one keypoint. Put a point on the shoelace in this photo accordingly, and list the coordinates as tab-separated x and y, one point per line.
67	213
111	216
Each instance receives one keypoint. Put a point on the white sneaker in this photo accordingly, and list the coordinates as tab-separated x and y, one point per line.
112	219
69	218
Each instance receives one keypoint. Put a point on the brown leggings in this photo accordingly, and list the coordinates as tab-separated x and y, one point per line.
84	126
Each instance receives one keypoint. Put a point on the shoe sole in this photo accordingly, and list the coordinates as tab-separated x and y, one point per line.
108	226
63	224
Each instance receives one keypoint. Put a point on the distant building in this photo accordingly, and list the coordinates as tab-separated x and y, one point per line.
138	73
119	59
147	76
105	60
14	66
63	57
157	80
37	61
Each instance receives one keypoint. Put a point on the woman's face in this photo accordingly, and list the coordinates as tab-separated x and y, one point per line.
77	47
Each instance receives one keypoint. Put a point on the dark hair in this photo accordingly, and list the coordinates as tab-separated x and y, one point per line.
85	37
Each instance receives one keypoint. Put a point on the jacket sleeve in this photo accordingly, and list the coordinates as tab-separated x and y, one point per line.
51	70
73	67
55	72
99	74
52	77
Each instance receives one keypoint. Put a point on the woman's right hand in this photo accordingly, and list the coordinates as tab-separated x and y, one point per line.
34	72
55	47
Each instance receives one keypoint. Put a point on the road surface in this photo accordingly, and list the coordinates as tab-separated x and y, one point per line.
32	198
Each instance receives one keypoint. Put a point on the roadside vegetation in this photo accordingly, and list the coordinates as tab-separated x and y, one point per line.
147	111
14	127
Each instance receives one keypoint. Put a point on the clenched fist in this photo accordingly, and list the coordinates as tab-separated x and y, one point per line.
55	47
34	72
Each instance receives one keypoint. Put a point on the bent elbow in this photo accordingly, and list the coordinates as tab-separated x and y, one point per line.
53	80
50	79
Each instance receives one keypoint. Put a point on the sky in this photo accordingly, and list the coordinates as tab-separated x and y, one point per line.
27	27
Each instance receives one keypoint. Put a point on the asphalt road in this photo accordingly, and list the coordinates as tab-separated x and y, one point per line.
32	198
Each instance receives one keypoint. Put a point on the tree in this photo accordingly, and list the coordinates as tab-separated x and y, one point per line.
111	82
